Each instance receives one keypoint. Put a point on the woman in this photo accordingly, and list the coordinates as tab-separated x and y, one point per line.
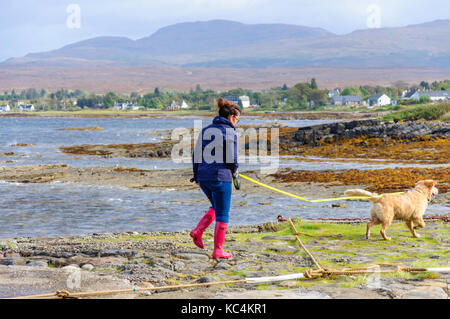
214	173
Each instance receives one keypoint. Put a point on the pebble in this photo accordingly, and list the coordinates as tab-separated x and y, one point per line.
345	260
87	267
71	267
191	256
241	203
221	265
37	263
339	205
117	252
13	261
178	265
198	266
283	248
244	265
278	238
203	280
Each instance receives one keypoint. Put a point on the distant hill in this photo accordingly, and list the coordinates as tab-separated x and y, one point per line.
228	44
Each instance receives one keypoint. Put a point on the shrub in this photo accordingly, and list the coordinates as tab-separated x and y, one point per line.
427	112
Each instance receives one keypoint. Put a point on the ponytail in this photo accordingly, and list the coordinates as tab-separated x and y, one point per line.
227	108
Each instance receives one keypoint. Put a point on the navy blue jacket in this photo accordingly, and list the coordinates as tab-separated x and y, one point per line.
206	165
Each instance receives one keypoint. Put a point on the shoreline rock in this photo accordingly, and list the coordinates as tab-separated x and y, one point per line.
372	128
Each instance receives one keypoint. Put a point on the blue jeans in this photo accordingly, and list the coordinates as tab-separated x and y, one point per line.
219	194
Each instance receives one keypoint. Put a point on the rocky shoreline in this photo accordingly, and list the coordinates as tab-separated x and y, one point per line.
422	141
371	128
101	261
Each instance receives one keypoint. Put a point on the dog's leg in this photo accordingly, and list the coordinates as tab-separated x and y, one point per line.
373	221
369	224
383	230
420	223
411	227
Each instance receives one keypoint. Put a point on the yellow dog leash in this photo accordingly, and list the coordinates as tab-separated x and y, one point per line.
305	199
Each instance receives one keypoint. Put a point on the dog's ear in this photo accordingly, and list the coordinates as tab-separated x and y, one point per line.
429	183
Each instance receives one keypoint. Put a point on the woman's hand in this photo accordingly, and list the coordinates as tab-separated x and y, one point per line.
192	180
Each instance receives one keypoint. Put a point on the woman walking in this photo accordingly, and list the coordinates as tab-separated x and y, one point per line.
215	162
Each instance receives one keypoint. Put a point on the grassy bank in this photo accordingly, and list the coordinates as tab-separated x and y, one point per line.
439	111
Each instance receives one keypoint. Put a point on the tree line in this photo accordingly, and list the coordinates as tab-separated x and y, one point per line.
303	95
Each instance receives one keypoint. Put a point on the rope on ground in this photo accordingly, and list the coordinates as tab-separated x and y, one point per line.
317	273
302	245
66	295
310	274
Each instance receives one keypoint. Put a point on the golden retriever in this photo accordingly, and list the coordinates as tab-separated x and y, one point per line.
409	206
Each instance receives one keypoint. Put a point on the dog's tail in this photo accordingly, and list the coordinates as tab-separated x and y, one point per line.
362	192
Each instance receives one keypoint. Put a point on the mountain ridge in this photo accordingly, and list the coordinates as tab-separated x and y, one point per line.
231	44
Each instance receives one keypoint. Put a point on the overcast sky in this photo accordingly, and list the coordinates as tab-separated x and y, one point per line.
41	25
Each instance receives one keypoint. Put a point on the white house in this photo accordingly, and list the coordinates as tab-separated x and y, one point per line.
118	106
5	108
243	100
123	106
176	106
184	105
332	93
379	100
28	107
434	95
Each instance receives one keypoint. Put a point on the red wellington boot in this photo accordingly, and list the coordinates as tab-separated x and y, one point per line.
197	232
219	238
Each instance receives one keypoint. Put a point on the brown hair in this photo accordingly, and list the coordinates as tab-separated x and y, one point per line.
227	108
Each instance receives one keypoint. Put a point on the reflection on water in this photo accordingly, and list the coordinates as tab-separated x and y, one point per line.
66	208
